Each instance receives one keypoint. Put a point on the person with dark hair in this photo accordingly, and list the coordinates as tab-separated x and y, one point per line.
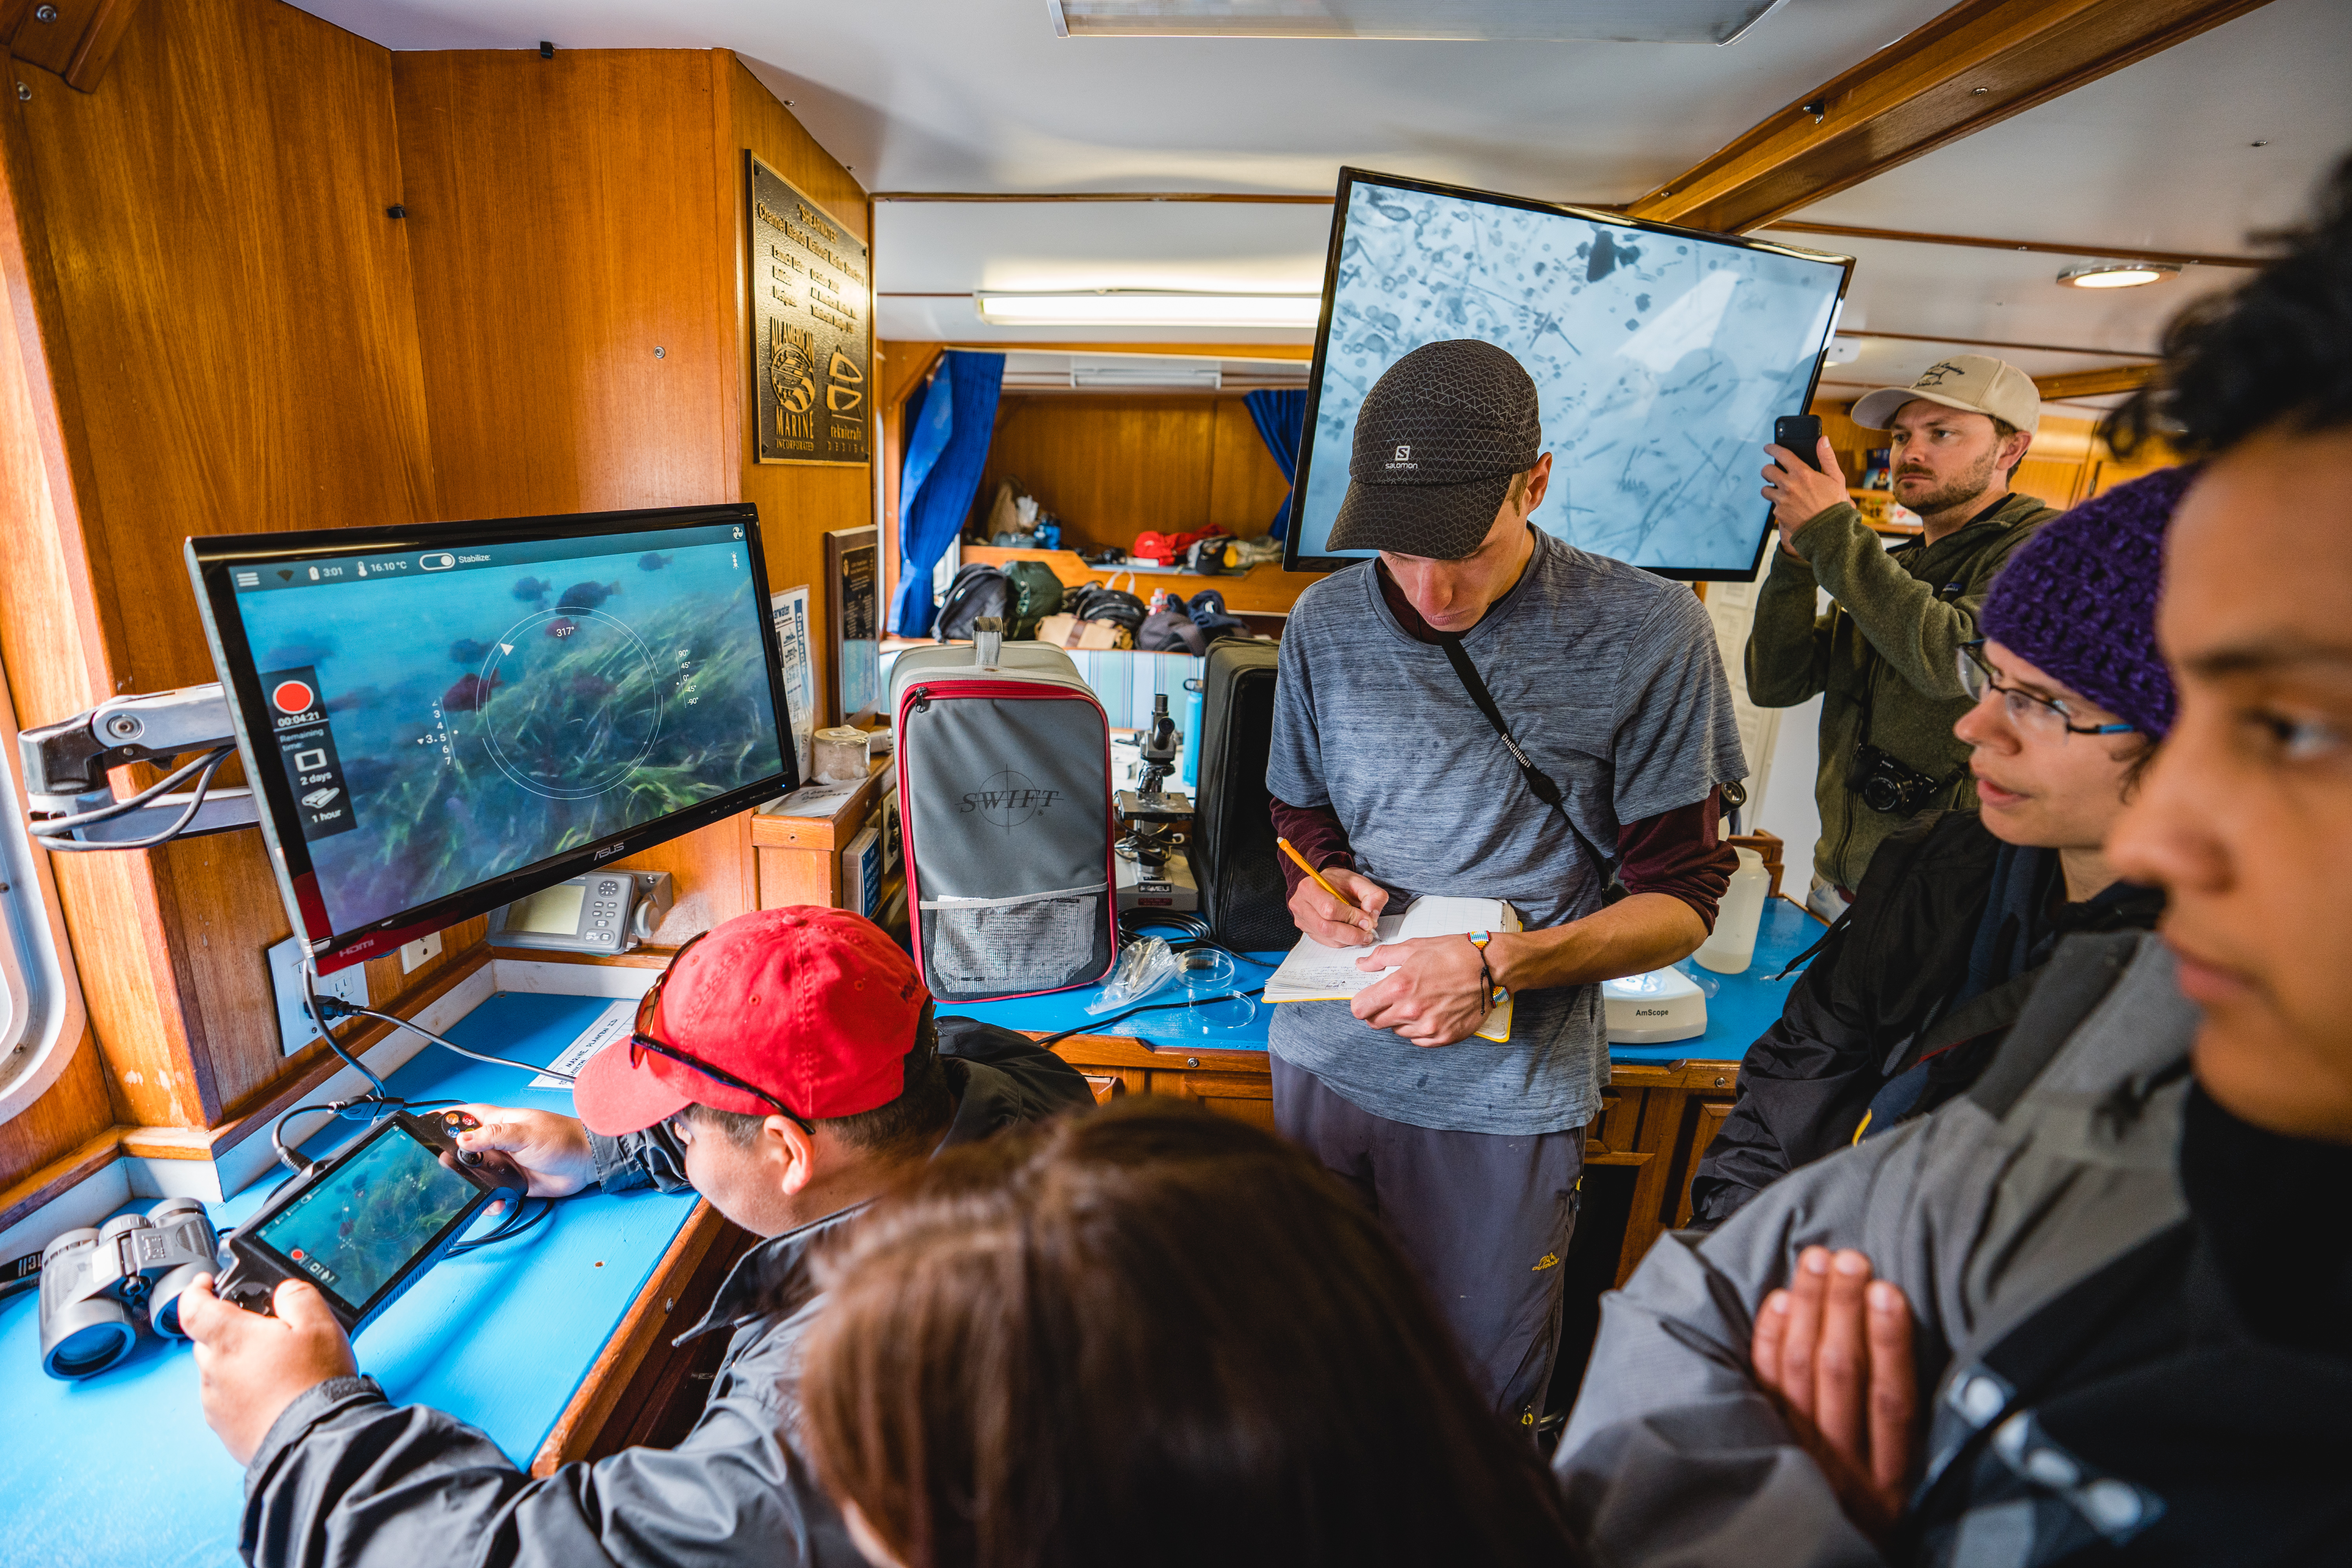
1911	993
1483	711
1884	659
2094	1309
787	1067
1159	1338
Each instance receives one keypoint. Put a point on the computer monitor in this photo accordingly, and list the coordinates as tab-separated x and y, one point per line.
439	720
1661	357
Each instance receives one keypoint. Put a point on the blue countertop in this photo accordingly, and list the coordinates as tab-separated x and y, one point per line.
120	1471
1738	1006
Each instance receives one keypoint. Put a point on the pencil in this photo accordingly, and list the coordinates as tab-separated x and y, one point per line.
1292	850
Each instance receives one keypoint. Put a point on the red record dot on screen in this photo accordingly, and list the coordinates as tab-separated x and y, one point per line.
292	697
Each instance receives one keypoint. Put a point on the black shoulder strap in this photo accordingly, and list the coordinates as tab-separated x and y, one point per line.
1538	780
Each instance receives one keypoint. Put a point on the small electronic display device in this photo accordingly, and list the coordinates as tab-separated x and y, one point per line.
1660	356
604	911
364	1225
441	719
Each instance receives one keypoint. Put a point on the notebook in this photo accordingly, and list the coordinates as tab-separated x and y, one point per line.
1314	972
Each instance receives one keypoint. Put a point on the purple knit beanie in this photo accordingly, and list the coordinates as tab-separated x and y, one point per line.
2078	600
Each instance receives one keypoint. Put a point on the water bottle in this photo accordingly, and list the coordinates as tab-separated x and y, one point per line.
1728	948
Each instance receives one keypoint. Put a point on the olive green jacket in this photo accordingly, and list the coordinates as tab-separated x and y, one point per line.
1892	634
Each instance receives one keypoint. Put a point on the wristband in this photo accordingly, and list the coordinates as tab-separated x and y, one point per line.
1492	991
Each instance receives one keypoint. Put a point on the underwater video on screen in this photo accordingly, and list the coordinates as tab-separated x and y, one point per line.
1660	361
448	717
359	1228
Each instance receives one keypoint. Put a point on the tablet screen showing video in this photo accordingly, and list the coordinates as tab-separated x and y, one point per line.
386	1204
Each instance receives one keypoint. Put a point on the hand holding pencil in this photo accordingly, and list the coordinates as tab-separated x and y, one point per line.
1335	906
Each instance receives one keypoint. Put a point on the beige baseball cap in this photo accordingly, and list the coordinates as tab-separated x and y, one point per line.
1977	382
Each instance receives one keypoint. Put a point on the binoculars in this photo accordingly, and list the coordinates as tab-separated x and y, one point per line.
95	1281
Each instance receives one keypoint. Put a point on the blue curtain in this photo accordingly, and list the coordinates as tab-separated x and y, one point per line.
946	449
1279	416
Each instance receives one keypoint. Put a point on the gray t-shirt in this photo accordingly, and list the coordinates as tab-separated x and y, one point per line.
1610	679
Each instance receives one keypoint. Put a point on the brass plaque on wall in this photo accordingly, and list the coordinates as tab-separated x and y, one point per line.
813	329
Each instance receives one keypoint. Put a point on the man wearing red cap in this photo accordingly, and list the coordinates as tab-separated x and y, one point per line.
787	1067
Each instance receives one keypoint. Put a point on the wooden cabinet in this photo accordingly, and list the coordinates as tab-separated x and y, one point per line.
1706	1119
1656	1119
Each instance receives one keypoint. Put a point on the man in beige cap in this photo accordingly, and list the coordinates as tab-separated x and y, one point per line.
1886	656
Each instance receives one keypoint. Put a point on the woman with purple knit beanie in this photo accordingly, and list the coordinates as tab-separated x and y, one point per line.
1915	985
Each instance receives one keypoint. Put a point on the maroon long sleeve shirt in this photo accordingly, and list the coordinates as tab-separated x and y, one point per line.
1678	852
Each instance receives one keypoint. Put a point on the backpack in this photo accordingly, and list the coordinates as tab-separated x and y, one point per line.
1036	594
1232	853
976	591
1005	819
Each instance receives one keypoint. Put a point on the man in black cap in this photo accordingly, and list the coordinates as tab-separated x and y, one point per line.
1394	783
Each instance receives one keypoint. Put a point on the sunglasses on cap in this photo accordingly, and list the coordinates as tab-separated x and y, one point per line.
641	1040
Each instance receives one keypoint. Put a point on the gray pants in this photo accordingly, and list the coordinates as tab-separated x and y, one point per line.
1485	1218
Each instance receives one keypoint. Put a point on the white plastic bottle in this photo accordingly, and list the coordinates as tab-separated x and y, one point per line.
1733	943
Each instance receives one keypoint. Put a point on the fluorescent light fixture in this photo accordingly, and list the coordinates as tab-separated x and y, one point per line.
1149	307
2116	274
1114	378
1530	21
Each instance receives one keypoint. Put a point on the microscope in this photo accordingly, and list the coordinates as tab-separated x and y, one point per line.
1152	875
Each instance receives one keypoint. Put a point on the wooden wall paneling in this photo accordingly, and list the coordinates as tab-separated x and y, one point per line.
42	623
214	227
1110	467
239	306
1245	484
714	872
560	221
798	503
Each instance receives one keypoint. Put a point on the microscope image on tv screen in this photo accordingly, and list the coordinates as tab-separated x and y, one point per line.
448	717
1660	359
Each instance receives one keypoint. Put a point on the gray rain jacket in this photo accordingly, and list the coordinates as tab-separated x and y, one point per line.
2058	1161
347	1479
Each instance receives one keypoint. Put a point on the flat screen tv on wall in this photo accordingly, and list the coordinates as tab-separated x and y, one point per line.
1661	357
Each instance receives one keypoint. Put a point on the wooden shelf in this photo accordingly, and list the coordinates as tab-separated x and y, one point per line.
1262	588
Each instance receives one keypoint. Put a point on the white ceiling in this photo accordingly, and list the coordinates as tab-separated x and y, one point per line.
979	96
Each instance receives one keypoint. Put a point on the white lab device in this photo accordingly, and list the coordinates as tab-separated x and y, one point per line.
1653	1009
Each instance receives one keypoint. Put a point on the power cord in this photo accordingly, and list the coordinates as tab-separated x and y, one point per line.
56	832
324	1019
1093	1023
330	1008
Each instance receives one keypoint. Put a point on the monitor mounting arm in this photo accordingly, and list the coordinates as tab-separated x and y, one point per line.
72	803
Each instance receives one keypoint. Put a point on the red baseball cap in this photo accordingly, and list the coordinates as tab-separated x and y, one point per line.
816	1007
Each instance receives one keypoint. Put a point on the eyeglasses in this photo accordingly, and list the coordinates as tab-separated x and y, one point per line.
641	1040
2047	715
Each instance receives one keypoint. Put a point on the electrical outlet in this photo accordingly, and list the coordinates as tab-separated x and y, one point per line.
296	1028
412	954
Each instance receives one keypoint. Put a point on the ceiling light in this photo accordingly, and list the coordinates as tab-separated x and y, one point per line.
1533	21
1150	308
2116	274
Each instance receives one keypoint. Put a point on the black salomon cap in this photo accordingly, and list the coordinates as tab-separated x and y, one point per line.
1437	440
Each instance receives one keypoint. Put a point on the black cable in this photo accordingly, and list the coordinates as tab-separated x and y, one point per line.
512	1225
339	1008
320	1016
58	832
1092	1024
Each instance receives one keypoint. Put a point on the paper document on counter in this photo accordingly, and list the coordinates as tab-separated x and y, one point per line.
613	1022
1314	972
